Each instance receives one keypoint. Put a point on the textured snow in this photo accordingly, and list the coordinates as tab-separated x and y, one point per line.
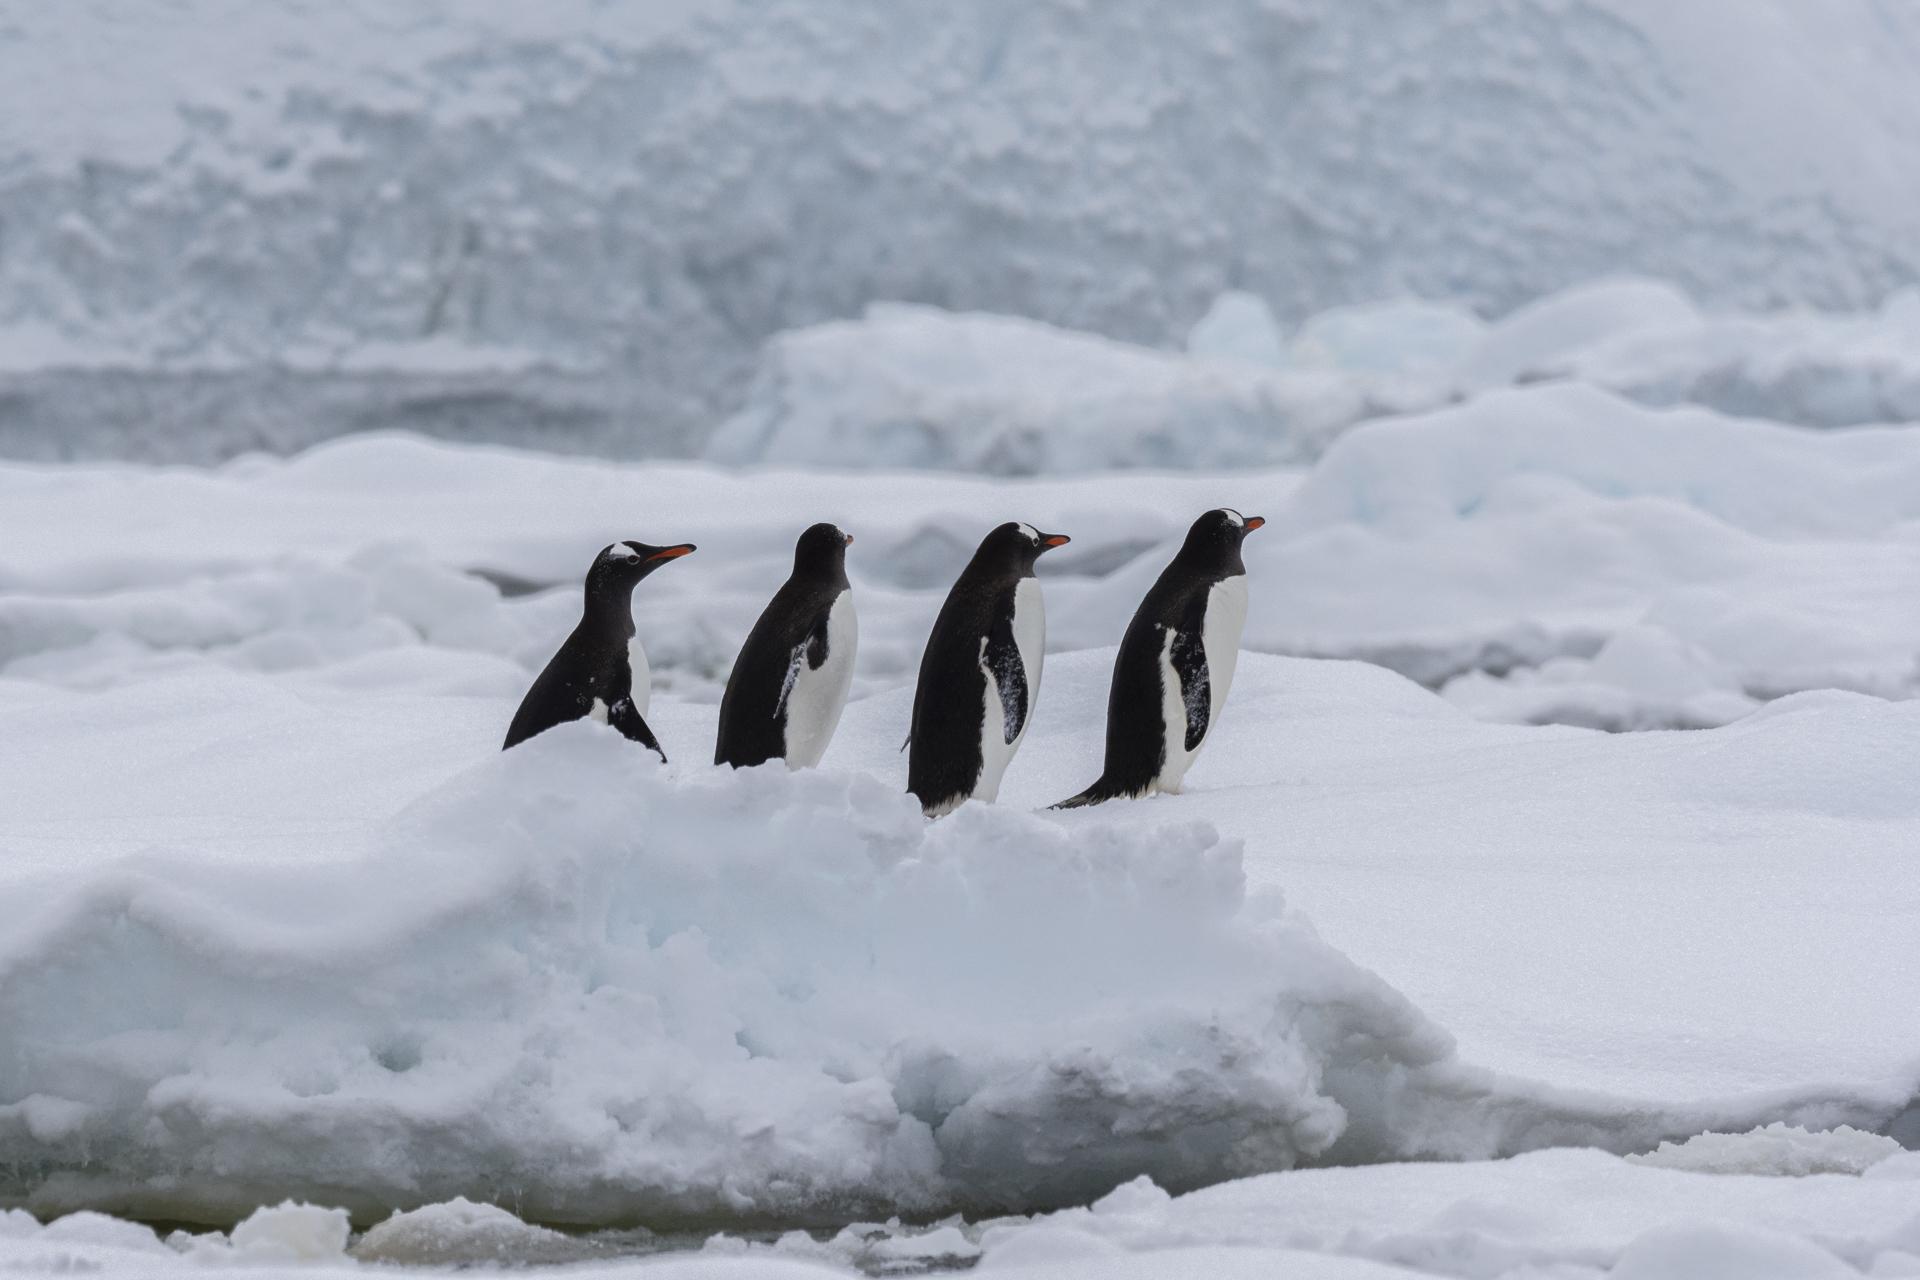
283	924
1561	1213
920	387
257	225
1778	1149
635	997
1540	554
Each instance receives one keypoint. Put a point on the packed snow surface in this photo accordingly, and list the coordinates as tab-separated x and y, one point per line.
284	924
1571	1215
1781	1149
257	225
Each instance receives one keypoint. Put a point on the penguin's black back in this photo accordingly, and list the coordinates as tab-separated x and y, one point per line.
753	722
591	663
944	760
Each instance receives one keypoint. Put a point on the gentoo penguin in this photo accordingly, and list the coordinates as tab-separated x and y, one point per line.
791	679
1176	662
601	670
980	673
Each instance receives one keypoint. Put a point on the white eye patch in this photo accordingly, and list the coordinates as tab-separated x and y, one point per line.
1033	534
621	551
1234	517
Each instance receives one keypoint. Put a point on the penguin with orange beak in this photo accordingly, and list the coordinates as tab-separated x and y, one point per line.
601	671
1175	663
980	673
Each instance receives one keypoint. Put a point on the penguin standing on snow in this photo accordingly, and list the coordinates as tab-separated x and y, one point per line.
980	673
1176	662
790	681
600	671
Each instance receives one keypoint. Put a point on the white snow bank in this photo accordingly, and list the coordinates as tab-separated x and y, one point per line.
1645	340
614	996
1777	1149
1571	1213
1545	554
1681	562
920	387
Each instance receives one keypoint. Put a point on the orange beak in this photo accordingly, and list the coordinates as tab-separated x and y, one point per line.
1254	522
1055	540
672	553
848	537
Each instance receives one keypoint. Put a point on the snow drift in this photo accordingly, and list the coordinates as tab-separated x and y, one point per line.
578	223
920	387
572	983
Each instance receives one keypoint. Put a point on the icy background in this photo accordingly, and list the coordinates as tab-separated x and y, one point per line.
575	225
1543	905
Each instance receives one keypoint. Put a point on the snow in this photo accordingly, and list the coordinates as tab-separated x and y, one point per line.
1779	1149
247	216
1571	1213
920	387
759	994
280	914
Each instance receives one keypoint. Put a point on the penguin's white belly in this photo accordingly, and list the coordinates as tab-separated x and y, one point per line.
1220	636
640	691
1030	637
1221	627
820	694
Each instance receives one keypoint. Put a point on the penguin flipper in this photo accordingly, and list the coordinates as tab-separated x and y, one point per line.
809	655
1188	654
625	717
1009	673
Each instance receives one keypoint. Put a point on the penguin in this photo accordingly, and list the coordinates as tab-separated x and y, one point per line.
980	673
790	682
600	671
1176	663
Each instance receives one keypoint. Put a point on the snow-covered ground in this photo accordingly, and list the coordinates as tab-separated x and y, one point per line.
1571	349
284	923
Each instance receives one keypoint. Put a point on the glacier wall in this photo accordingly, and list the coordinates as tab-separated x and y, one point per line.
272	220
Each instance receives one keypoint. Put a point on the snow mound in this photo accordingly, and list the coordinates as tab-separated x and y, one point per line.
920	387
1238	326
572	980
460	1233
1644	340
1515	349
1777	1149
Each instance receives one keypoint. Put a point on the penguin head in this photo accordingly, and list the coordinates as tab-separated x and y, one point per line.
1013	547
1213	543
821	552
622	564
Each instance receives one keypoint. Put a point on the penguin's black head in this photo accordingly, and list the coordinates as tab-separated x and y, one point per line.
1214	540
822	552
619	566
1013	547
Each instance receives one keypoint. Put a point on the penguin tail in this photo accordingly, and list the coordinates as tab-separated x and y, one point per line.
1099	793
